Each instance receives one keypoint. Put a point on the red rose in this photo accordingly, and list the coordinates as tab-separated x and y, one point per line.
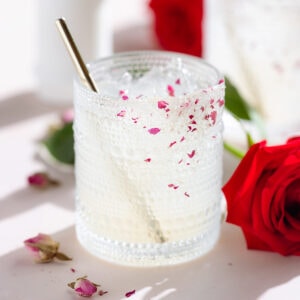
263	197
178	25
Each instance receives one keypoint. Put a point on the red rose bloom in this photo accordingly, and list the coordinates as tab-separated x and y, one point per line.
263	197
178	25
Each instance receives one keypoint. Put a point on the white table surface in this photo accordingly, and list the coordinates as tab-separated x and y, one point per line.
230	271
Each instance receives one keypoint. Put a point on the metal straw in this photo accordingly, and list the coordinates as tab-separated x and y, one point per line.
78	62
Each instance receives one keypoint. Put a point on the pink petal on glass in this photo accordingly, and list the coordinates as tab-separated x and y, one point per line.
154	130
178	81
221	102
182	139
129	294
173	186
148	159
221	81
192	154
213	116
84	287
191	116
125	97
121	92
172	144
162	104
122	113
170	90
196	101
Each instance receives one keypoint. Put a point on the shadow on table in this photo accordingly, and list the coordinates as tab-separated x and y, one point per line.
25	199
24	106
228	272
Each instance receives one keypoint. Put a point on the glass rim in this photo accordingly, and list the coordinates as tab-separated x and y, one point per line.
92	66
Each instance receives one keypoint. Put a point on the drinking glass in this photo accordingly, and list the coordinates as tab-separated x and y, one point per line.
262	36
149	158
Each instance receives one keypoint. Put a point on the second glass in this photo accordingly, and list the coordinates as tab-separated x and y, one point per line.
149	158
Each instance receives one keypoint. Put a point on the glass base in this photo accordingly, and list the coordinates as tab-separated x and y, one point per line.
147	254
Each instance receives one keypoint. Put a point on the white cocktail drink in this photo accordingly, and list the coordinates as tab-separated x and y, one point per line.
149	158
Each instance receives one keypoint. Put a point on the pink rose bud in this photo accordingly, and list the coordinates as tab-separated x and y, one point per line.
68	116
83	287
44	248
40	180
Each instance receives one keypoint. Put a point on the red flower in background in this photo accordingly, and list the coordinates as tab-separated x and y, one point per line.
178	25
263	197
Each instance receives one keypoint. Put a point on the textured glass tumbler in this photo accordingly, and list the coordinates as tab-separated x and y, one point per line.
149	158
263	36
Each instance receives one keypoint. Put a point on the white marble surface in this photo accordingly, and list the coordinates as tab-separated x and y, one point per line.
230	271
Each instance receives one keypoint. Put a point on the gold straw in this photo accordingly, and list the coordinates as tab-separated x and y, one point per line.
75	55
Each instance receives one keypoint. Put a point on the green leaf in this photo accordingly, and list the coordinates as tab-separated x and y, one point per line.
60	144
235	103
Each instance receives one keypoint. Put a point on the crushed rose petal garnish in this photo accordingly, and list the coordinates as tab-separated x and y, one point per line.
192	154
177	81
186	194
148	159
170	90
125	97
122	113
129	294
172	144
162	104
154	130
221	102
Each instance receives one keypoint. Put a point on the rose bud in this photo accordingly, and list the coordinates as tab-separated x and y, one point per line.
83	287
68	116
41	180
44	248
263	197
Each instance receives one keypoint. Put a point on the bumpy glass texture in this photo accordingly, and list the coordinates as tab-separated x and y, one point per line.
149	158
263	35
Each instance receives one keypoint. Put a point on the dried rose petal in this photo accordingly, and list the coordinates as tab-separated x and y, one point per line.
172	144
173	186
122	113
44	248
186	194
125	97
101	292
177	81
41	180
162	104
213	116
221	102
192	154
171	90
154	130
129	294
148	159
